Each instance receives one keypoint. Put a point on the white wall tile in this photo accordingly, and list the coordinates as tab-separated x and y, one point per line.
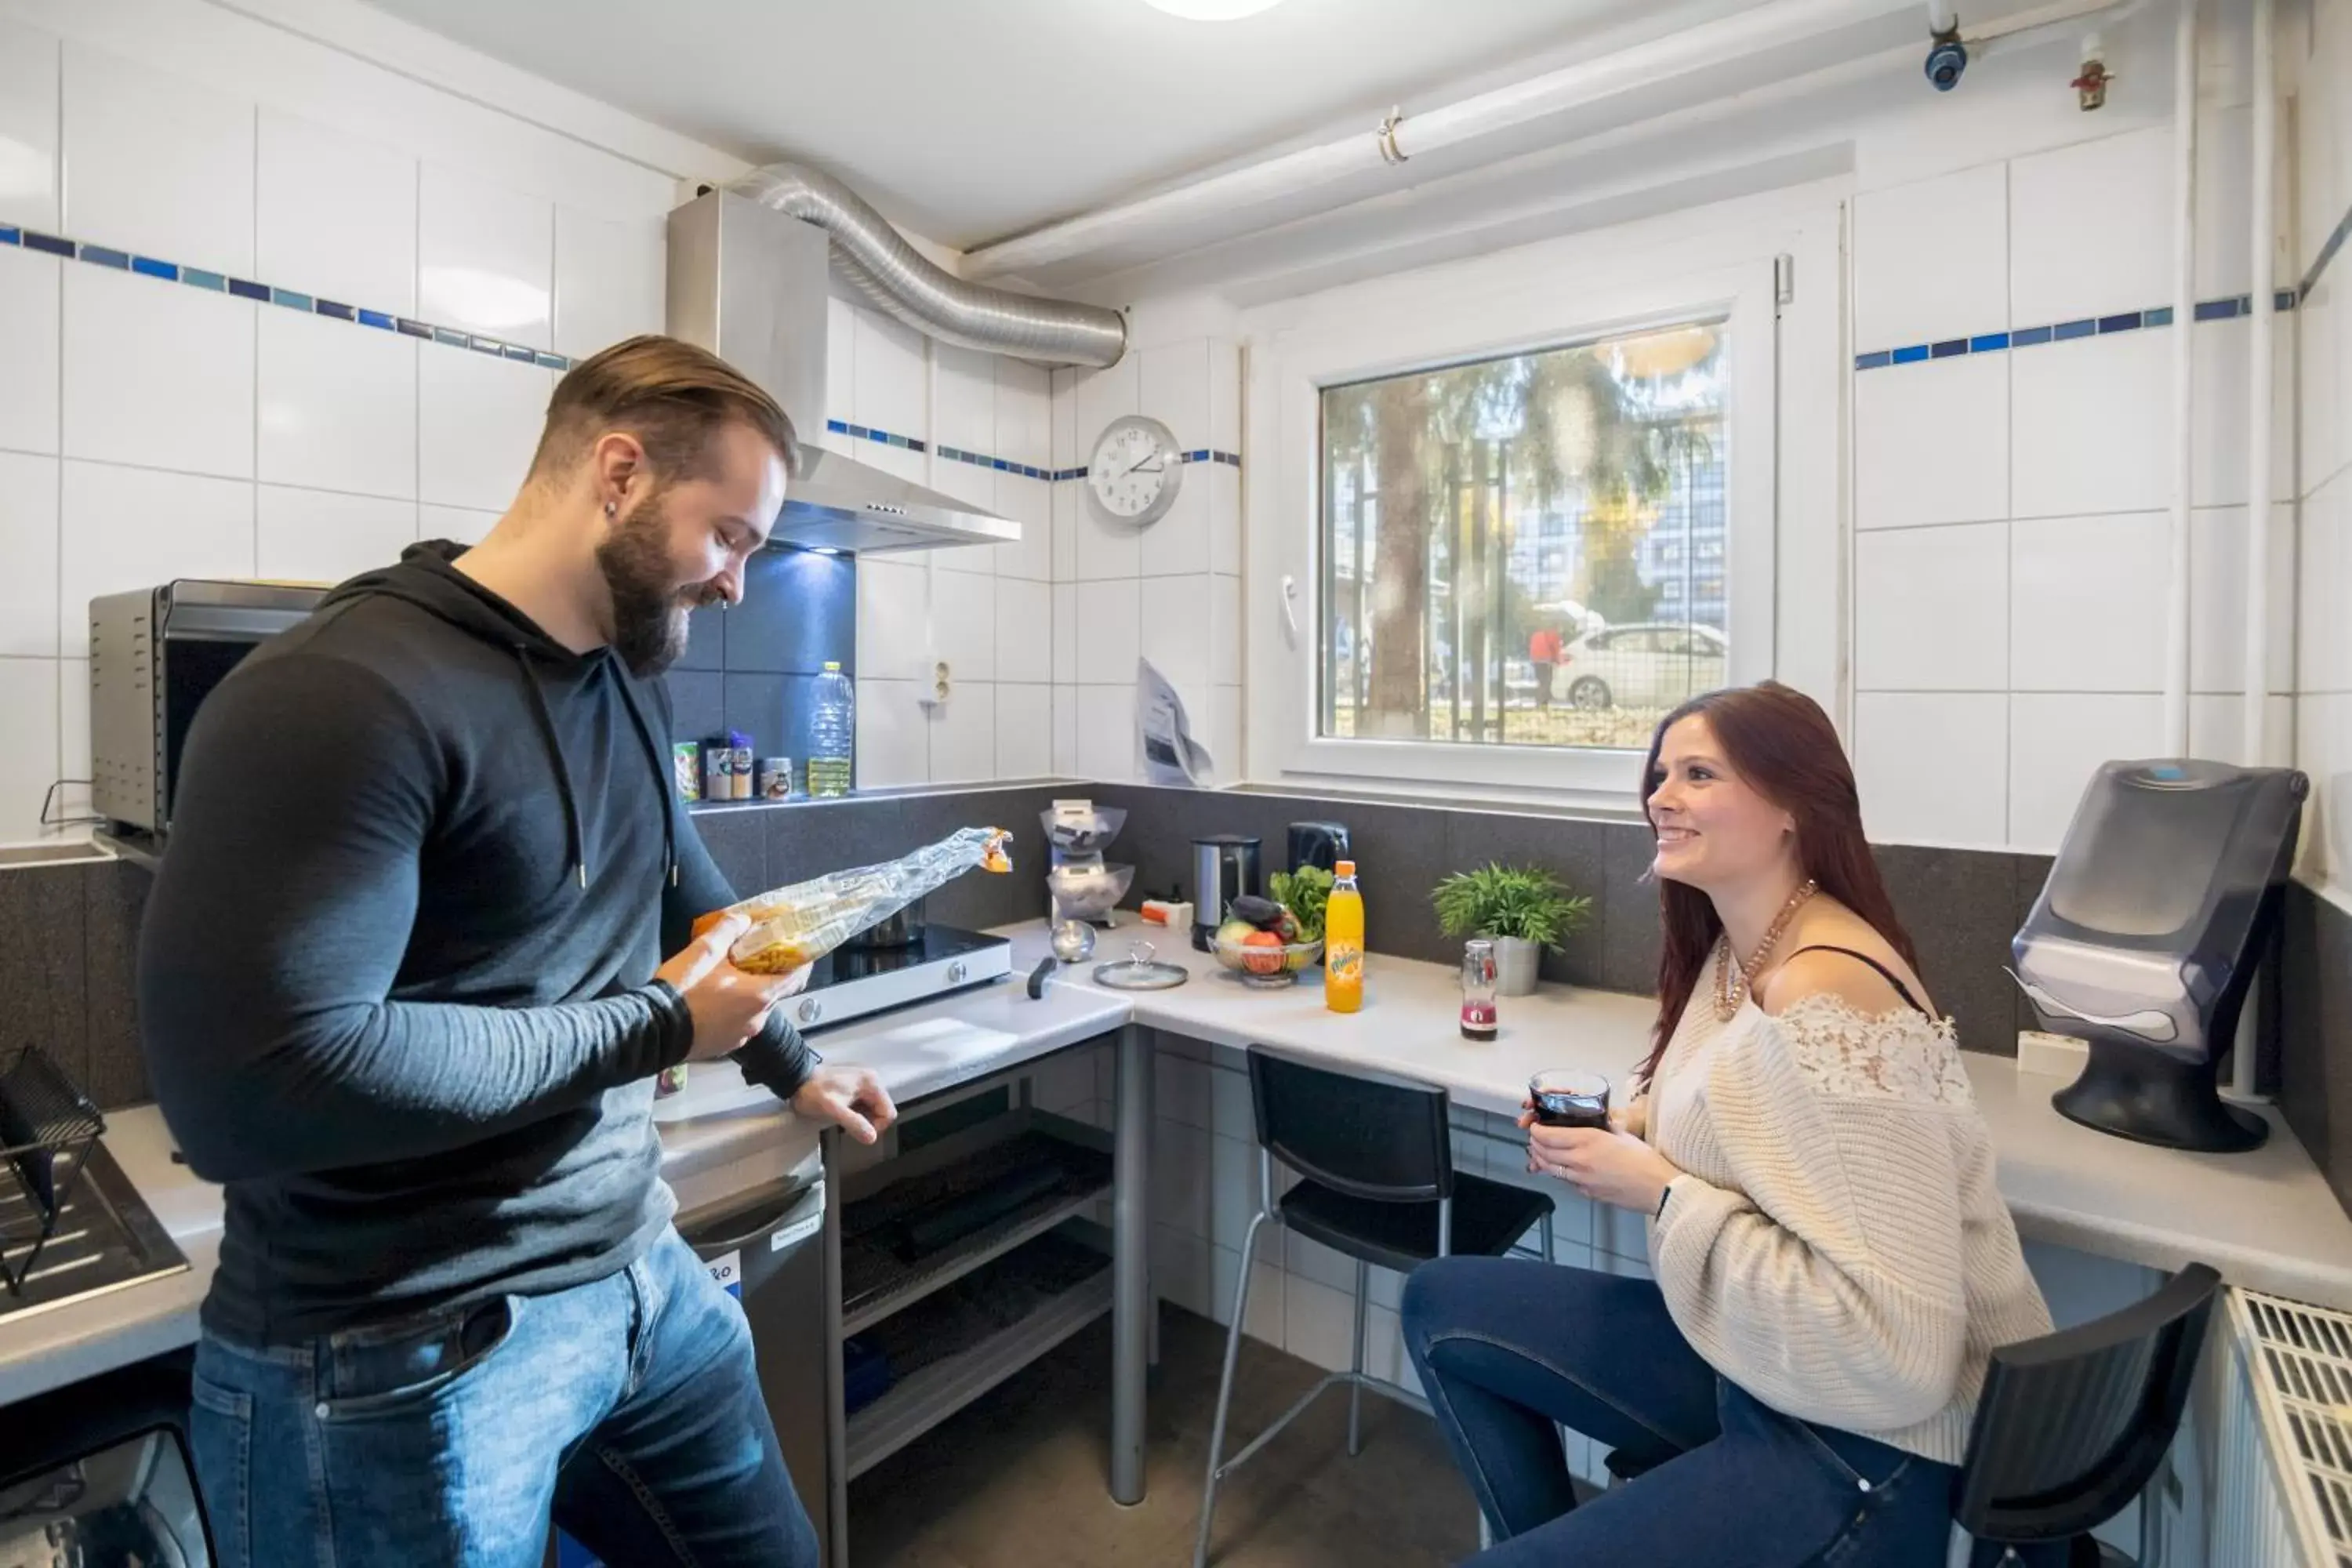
1100	396
157	374
1931	608
963	399
1931	442
893	733
2217	728
1024	413
2224	359
2217	599
1181	1270
1110	632
1106	732
478	423
73	735
890	375
1024	630
1030	503
1066	632
1224	395
2323	728
132	528
1179	1090
485	256
2055	743
1066	501
319	536
1225	631
334	216
1062	387
30	331
1025	731
1178	543
338	406
1224	735
840	365
2323	364
894	640
1175	636
462	524
156	163
1268	1285
2088	421
29	556
28	127
1931	258
29	763
1182	1188
1173	388
1224	488
1933	767
2089	227
2086	610
2323	590
1066	731
963	733
963	626
608	282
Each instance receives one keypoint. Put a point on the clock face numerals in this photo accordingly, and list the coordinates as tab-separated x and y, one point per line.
1135	470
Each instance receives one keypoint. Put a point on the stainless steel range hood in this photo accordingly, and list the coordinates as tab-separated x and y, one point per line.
749	284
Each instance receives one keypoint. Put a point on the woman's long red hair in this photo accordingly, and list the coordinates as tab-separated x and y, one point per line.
1784	747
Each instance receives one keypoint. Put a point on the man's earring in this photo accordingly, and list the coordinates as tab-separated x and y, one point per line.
611	509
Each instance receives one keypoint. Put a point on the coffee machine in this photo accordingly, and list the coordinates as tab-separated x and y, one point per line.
1225	868
1319	844
2165	896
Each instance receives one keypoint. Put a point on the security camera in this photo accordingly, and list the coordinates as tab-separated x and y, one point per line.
1947	59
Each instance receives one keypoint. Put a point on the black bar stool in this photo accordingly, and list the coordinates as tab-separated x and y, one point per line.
2071	1425
1375	1155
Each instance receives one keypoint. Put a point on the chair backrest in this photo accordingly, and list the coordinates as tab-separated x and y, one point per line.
2070	1426
1370	1135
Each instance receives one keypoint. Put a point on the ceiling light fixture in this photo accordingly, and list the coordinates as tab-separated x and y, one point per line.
1212	10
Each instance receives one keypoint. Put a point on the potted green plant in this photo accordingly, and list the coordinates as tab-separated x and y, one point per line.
1523	907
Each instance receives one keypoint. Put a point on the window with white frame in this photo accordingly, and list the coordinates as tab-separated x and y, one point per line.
1477	475
1486	525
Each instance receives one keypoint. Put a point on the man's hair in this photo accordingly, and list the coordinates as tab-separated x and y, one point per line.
672	396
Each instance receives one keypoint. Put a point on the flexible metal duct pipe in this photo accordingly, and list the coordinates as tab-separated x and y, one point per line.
899	279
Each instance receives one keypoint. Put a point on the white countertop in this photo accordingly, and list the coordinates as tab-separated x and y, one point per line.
2267	1219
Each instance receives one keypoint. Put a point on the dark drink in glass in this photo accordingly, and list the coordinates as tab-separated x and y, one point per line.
1563	1099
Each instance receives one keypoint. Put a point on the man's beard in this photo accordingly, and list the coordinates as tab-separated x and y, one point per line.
649	609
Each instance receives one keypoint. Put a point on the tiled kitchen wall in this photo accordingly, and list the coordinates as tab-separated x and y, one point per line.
2012	468
222	373
753	668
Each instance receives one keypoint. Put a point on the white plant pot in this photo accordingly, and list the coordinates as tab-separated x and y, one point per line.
1515	960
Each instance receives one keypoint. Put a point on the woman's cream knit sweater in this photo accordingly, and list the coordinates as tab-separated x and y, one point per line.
1836	1245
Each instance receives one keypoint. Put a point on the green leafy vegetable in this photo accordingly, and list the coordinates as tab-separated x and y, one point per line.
1304	892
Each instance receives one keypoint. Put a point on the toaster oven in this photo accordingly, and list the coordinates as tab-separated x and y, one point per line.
155	654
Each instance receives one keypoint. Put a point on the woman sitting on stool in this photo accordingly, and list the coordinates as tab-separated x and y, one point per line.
1833	1261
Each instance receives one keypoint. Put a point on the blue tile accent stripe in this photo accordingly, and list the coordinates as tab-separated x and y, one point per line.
2327	253
269	294
2087	327
1003	465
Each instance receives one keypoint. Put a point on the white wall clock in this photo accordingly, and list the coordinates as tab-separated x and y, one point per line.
1135	470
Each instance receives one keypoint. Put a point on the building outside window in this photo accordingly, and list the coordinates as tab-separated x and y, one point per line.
1476	516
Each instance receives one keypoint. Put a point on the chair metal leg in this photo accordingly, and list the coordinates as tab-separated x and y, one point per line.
1356	1390
1544	1224
1225	1392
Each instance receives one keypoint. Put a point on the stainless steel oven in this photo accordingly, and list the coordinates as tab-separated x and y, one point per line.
155	654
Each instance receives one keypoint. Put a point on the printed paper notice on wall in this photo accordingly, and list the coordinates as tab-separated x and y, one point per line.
727	1269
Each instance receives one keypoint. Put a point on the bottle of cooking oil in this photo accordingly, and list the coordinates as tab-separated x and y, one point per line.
1343	943
832	730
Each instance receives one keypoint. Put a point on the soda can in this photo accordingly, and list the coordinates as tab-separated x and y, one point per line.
685	763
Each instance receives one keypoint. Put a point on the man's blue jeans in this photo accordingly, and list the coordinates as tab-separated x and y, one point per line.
626	1410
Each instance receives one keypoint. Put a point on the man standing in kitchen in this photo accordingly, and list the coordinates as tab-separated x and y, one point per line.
402	993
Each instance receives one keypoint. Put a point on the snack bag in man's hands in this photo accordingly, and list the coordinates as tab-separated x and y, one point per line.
800	924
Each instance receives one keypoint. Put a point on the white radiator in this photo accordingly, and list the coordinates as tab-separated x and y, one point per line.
2282	1492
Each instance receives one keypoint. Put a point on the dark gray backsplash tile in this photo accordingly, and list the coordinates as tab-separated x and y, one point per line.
777	712
1960	907
698	703
1631	944
799	610
1574	851
706	641
43	972
115	899
2315	1036
737	838
978	901
810	839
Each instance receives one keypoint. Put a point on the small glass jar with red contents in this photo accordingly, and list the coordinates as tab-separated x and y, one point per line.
1478	1021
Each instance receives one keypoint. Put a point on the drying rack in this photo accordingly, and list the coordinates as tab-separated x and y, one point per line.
45	1122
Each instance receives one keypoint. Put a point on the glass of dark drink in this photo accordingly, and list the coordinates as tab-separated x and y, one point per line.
1566	1099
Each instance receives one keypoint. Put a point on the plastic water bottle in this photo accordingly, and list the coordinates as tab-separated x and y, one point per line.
832	732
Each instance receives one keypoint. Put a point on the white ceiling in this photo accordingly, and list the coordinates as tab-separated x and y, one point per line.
969	120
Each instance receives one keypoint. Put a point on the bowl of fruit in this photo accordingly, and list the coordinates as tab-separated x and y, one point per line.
1266	942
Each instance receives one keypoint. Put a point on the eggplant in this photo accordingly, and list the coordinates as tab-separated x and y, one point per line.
1262	914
